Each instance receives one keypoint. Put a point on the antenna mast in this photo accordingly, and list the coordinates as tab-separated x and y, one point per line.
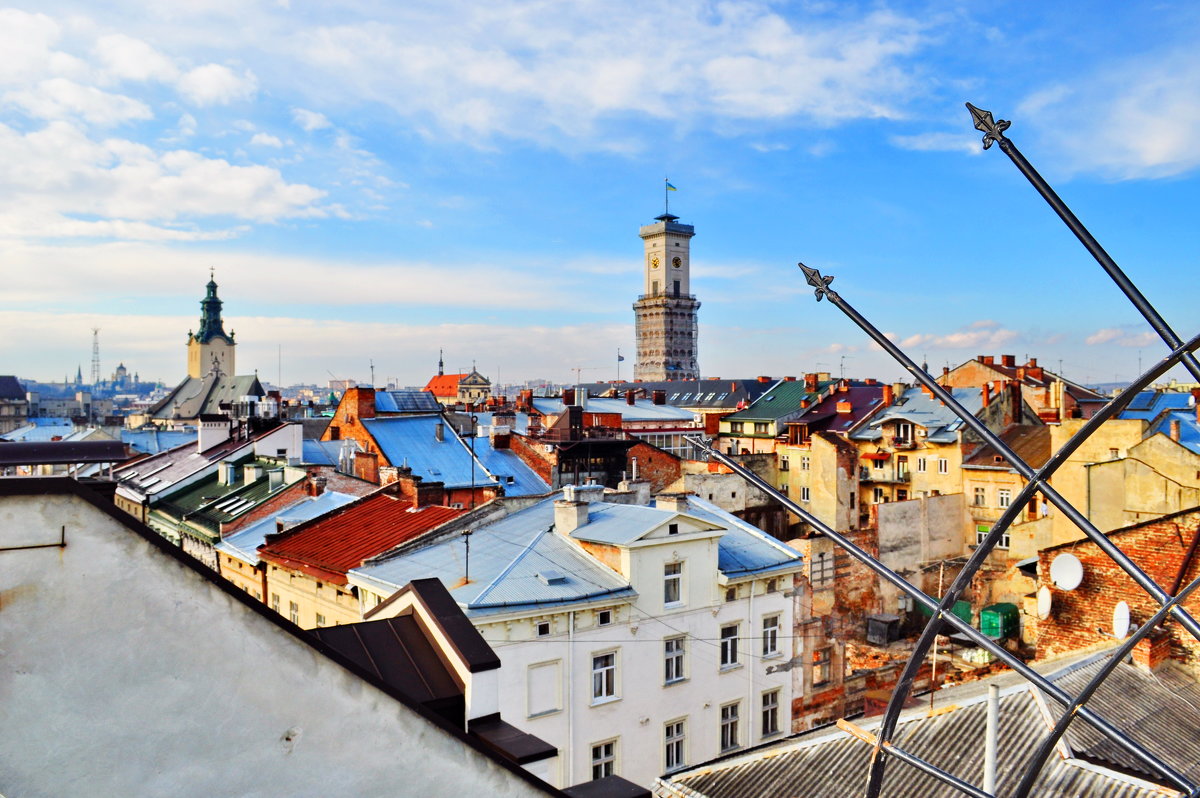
95	357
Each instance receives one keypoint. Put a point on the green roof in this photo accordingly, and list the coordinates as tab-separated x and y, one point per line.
783	399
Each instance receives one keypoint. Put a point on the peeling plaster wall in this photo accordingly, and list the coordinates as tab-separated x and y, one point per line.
128	673
916	532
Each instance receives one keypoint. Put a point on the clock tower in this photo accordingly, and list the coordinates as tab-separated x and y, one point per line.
665	314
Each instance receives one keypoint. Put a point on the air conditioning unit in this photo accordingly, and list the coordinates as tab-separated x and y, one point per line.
883	629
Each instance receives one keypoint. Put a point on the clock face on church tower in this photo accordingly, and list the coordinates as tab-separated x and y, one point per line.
654	262
677	262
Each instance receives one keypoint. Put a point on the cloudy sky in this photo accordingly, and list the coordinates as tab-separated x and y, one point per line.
378	181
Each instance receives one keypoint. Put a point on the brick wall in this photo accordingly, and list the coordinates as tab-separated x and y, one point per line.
1082	618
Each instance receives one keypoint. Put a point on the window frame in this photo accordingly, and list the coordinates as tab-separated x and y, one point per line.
730	643
604	677
605	763
1003	497
943	465
730	721
770	635
769	715
674	745
674	659
673	584
822	662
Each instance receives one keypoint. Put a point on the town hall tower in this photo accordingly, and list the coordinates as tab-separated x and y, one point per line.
665	314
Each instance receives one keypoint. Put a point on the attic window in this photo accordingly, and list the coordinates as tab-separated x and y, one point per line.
998	458
672	529
551	577
543	628
604	617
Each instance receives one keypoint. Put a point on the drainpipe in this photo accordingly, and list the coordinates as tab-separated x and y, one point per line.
750	704
571	747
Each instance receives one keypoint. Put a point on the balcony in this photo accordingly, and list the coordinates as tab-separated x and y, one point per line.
888	475
902	444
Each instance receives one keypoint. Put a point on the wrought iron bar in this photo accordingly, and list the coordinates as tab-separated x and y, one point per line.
1034	482
941	613
1047	745
994	132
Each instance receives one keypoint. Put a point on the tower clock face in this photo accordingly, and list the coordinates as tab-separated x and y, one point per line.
654	262
677	262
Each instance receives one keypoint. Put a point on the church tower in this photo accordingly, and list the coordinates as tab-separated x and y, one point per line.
210	349
665	314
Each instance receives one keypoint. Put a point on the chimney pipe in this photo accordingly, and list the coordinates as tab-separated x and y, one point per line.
439	432
1175	430
987	394
568	396
629	397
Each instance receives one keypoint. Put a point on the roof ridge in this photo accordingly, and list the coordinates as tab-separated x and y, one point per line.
509	568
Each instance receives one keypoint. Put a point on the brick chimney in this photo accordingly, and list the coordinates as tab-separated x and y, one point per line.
501	437
889	395
810	382
359	401
986	395
629	397
1175	430
1150	652
427	494
568	396
1008	361
569	516
366	466
315	486
987	360
658	397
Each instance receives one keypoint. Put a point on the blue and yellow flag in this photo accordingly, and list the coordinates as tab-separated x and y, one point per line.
671	187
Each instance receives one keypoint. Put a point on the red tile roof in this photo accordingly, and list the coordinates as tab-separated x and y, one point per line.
445	385
327	547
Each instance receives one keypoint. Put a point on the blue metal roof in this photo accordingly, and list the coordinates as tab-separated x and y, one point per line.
320	452
916	406
505	465
412	440
244	543
406	402
1148	404
1189	430
744	549
153	441
41	429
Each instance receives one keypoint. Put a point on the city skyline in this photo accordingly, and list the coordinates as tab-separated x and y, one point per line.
375	185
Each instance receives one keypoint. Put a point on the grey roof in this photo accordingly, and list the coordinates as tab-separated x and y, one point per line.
406	402
744	549
10	388
700	394
155	440
41	429
919	408
244	543
641	410
320	452
197	396
509	470
829	763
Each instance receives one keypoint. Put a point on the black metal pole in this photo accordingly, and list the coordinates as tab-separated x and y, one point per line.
994	132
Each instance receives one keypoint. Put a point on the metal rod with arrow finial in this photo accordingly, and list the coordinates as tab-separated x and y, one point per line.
993	133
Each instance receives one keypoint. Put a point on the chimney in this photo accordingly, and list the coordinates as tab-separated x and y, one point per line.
251	472
789	379
945	371
439	432
629	398
986	395
525	399
986	360
227	473
810	382
1032	363
568	396
889	395
1150	652
360	401
843	386
803	404
1196	402
501	436
316	486
658	397
1008	361
427	494
1021	373
1175	430
764	379
214	430
569	516
366	466
844	406
672	502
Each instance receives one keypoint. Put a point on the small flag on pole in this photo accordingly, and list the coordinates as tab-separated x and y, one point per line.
671	187
620	358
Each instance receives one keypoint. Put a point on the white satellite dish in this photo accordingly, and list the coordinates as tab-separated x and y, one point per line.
1044	601
1066	571
1121	620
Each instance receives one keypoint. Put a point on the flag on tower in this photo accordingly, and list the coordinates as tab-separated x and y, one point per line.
671	187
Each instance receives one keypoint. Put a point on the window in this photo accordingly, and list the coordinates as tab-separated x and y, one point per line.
980	497
1003	497
729	726
275	602
320	619
877	463
805	493
604	676
770	712
770	636
604	759
673	583
672	529
920	465
943	465
783	463
543	688
735	426
731	594
981	531
783	488
542	628
822	670
604	617
673	659
673	739
903	432
729	645
820	569
902	467
877	496
901	495
772	586
760	428
805	461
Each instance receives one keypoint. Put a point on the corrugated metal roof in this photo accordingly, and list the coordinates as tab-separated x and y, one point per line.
1148	404
244	543
510	471
1189	429
829	763
744	549
916	406
320	452
641	410
407	402
328	547
153	441
413	440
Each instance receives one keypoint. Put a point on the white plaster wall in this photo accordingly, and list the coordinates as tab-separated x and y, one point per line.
123	672
644	703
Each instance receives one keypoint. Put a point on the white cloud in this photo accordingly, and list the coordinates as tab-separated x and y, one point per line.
215	84
983	334
939	142
126	58
27	42
1142	120
266	140
59	98
309	120
1121	336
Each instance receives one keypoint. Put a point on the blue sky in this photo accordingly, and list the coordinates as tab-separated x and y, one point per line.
381	181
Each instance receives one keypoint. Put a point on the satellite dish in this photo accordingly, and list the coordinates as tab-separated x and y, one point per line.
1066	571
1121	620
1044	601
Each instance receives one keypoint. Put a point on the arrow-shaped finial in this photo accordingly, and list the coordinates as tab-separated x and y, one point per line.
992	131
820	283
